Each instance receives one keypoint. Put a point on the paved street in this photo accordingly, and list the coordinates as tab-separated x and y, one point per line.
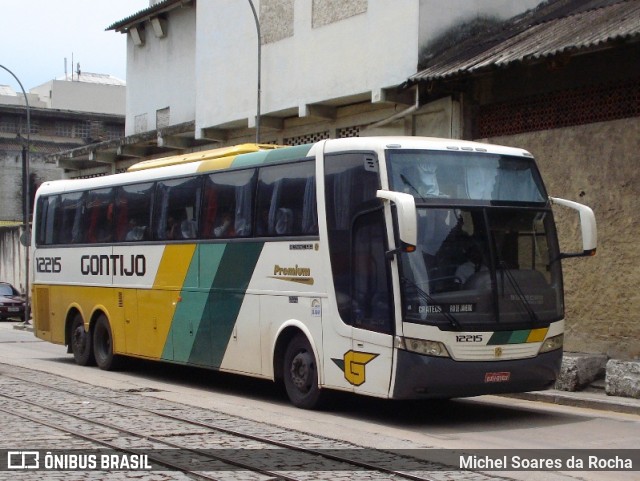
44	377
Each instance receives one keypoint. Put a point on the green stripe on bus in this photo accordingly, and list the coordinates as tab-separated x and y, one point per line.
500	337
223	300
509	337
519	337
192	309
271	156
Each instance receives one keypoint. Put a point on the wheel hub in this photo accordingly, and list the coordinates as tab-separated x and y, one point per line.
300	370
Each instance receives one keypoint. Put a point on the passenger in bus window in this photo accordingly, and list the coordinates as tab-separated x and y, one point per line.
188	229
173	227
225	227
135	232
284	221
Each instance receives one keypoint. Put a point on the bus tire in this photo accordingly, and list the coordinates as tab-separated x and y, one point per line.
81	342
103	345
300	374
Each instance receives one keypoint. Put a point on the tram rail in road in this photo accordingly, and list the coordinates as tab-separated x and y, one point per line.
201	443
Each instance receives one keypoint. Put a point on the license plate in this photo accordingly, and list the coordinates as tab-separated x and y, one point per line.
14	309
497	376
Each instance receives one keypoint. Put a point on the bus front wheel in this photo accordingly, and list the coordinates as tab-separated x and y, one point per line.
81	345
103	345
301	374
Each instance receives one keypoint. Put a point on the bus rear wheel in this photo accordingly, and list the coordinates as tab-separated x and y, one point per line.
301	374
81	345
103	345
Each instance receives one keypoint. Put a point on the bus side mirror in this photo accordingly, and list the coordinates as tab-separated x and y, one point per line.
588	225
407	222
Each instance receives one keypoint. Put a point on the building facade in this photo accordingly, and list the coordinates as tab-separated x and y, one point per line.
328	68
84	92
560	82
558	79
52	130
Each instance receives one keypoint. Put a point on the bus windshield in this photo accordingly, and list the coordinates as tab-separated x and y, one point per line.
463	175
475	267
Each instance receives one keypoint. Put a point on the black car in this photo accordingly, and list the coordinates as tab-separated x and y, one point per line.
11	302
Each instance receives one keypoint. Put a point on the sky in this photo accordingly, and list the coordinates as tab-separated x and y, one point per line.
37	35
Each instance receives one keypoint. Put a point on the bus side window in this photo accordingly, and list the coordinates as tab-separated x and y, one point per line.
286	200
231	216
45	222
176	209
133	212
98	216
72	229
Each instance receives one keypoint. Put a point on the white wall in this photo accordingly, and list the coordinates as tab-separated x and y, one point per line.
356	55
12	257
18	99
161	73
206	67
83	96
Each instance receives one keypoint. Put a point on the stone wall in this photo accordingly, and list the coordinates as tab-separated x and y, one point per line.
11	198
596	164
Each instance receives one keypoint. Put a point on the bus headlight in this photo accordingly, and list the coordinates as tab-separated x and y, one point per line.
421	346
552	344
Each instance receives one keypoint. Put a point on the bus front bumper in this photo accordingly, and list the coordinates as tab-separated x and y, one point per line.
425	377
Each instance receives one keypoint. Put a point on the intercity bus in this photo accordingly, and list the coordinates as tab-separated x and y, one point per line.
395	267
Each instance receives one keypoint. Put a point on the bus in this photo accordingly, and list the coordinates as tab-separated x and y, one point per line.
394	267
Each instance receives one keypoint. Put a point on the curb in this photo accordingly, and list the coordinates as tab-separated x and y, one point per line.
583	400
24	326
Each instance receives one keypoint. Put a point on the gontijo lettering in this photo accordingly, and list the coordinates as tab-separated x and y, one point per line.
117	265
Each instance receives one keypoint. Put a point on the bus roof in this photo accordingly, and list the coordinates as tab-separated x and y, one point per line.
200	156
248	155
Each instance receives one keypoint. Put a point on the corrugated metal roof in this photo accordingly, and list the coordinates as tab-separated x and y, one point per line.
561	26
142	15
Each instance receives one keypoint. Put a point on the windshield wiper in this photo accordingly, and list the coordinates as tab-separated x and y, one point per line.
505	271
447	315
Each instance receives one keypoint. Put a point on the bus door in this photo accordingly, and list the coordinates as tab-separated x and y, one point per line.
372	317
360	271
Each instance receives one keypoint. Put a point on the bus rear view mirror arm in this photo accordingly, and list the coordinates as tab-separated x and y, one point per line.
406	214
588	227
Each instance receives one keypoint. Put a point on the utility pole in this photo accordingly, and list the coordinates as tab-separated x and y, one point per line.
257	20
26	208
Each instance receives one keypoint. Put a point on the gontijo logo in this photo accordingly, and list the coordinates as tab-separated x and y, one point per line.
298	274
353	365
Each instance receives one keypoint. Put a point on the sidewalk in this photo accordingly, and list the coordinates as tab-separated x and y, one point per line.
592	397
584	399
